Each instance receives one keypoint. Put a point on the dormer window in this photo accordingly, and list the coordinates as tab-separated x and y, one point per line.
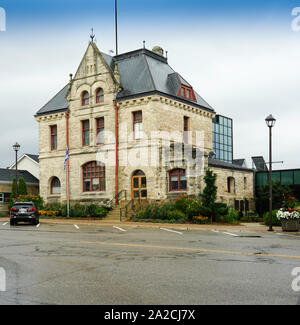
187	92
85	98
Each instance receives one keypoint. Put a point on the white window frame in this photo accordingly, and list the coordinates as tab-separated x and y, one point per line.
2	197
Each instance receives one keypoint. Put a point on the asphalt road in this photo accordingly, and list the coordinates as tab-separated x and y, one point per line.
104	265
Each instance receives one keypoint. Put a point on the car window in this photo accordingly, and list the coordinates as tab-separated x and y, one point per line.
23	205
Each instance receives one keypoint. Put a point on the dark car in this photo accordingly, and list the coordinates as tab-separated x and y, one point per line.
24	211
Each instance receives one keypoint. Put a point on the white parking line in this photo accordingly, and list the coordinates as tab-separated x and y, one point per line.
120	229
5	223
176	232
230	234
76	226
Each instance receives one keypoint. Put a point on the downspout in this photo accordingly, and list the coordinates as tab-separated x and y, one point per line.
67	164
117	153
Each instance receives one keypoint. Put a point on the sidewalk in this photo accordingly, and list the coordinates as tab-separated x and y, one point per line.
243	227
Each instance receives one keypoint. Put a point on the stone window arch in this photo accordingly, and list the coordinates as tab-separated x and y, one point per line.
55	186
177	180
99	96
93	177
85	98
231	185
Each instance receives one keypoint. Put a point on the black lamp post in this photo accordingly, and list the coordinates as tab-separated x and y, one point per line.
270	120
16	149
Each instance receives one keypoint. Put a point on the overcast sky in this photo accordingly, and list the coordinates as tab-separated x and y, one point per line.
242	57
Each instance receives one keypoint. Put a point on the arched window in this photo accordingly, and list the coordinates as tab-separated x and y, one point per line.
93	177
231	185
99	95
177	180
55	187
85	98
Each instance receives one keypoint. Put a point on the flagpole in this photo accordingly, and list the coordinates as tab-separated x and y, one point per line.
68	195
67	164
116	25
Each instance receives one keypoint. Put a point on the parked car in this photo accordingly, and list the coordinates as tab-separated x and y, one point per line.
24	211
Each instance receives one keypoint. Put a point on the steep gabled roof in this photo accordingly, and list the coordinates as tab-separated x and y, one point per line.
56	104
35	158
141	72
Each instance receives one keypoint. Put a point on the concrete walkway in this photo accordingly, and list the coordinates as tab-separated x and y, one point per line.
243	227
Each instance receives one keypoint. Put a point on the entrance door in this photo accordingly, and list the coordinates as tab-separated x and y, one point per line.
139	185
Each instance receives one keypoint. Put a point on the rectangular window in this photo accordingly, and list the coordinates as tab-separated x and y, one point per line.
86	133
100	130
137	125
1	197
53	132
186	129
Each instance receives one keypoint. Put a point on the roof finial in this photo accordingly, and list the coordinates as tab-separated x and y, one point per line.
144	42
92	36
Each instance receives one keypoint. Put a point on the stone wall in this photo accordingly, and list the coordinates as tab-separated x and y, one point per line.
242	185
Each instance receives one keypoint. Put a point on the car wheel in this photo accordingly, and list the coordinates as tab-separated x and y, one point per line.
12	223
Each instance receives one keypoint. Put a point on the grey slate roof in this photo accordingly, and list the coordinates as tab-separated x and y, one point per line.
56	104
225	165
144	71
239	162
7	176
141	72
33	157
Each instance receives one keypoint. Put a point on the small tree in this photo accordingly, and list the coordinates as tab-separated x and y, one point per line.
210	208
13	193
22	187
209	194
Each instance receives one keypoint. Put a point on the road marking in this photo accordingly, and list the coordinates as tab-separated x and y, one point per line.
230	234
38	225
176	232
190	249
288	235
5	223
119	228
76	226
217	231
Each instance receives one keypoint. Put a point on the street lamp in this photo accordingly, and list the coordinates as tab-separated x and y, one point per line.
270	120
16	148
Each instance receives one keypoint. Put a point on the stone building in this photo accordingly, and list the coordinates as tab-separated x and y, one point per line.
134	128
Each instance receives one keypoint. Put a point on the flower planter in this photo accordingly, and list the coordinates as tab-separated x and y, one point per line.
290	225
290	219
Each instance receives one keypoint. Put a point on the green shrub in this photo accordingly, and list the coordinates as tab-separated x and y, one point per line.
275	220
193	208
176	215
182	203
36	199
232	217
100	212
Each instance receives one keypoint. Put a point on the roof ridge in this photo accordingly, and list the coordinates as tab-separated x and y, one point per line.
149	70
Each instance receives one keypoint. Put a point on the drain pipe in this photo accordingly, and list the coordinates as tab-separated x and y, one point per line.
117	153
